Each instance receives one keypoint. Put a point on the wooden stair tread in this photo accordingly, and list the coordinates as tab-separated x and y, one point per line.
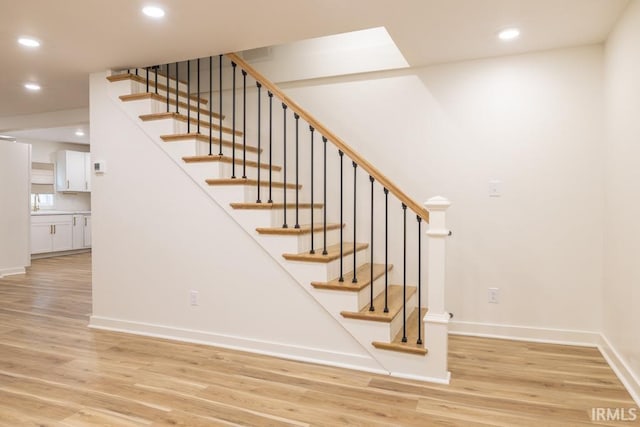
172	101
394	303
183	118
411	345
201	137
161	85
227	159
247	181
333	253
291	230
267	206
363	275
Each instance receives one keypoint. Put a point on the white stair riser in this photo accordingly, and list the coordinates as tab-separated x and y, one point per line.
255	218
295	244
181	127
142	73
304	216
277	194
396	323
122	87
213	169
364	295
307	272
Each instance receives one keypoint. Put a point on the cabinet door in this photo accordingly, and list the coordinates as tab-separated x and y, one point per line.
78	232
70	171
41	238
63	236
87	231
87	171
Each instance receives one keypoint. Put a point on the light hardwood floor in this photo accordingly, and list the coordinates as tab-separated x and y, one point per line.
55	371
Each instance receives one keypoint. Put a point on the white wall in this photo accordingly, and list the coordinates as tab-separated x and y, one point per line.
621	293
533	121
157	236
15	174
45	151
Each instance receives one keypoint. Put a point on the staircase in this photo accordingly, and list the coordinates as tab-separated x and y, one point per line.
346	233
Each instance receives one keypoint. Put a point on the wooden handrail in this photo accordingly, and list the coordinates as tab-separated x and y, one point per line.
334	139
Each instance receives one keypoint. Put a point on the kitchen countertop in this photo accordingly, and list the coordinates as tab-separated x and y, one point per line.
52	212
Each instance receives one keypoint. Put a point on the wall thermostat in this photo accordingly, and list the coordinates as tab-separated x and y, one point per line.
99	167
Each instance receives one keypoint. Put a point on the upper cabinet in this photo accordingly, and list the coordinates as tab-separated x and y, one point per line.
73	171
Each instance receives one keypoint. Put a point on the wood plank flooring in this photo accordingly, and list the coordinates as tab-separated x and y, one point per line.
54	371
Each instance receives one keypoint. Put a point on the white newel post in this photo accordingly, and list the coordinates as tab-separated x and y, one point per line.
436	321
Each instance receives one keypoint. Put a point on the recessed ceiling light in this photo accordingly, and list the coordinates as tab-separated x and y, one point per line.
32	86
79	133
509	34
153	11
28	42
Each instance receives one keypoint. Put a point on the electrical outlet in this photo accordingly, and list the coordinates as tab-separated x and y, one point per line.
494	295
495	188
193	297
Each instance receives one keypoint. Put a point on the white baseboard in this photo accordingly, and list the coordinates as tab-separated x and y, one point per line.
555	336
621	368
285	351
525	333
11	271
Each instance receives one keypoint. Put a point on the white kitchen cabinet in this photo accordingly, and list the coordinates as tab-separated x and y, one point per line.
73	171
87	231
51	233
78	231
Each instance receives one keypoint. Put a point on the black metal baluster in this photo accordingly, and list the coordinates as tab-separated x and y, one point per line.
404	274
324	250
355	170
270	143
244	125
211	105
284	136
177	88
341	154
386	250
189	96
419	342
297	118
136	71
371	307
198	95
259	86
233	121
155	81
168	87
147	90
312	251
220	105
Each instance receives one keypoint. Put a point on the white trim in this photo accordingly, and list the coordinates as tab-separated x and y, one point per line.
525	333
436	380
12	271
438	233
268	348
621	368
436	318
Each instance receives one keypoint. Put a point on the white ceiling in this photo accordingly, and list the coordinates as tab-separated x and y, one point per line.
83	36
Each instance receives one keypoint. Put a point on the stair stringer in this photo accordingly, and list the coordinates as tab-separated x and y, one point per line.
365	332
345	352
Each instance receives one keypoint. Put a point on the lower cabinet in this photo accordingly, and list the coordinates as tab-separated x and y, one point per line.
51	233
54	233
